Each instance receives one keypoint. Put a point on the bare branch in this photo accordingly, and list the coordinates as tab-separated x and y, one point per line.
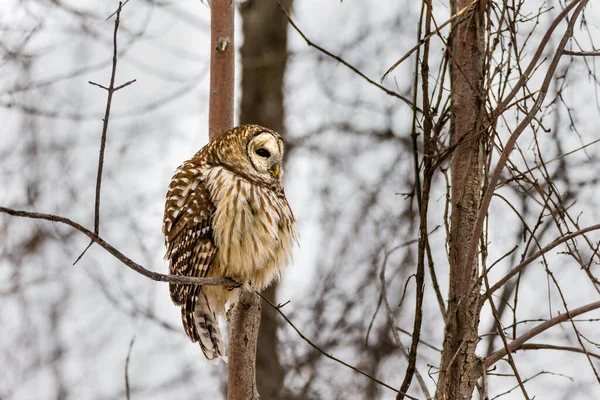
466	9
111	89
544	326
544	346
127	369
538	254
314	346
485	202
155	276
582	53
342	61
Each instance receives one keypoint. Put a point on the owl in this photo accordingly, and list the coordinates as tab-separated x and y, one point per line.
226	215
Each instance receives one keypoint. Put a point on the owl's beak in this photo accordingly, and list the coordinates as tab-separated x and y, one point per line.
274	168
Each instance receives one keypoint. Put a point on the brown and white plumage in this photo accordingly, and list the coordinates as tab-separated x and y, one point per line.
226	215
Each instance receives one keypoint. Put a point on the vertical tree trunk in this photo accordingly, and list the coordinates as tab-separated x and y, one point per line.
244	323
222	68
264	58
245	316
460	367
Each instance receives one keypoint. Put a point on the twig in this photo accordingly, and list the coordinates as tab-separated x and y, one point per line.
155	276
427	37
582	53
527	380
342	61
511	361
110	89
539	253
127	368
544	346
120	7
423	193
314	346
539	166
485	203
392	322
518	342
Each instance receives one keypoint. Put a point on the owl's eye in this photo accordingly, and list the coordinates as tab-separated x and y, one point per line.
263	153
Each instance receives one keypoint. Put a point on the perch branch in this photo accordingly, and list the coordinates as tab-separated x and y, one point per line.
155	276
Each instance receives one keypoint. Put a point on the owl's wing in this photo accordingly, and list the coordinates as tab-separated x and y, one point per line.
187	228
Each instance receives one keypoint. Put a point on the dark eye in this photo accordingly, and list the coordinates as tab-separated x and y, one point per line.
263	153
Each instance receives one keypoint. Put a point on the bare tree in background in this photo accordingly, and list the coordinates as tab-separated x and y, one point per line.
264	59
469	108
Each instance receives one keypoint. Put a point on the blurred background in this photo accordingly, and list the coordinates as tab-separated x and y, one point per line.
65	329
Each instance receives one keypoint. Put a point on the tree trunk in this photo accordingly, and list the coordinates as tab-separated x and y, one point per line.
264	57
244	321
222	68
460	367
245	315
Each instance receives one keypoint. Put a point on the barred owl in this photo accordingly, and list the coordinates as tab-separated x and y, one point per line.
226	215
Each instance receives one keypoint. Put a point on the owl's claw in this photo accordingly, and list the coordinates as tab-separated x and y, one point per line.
235	285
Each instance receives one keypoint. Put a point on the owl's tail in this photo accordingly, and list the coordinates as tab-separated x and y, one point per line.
200	322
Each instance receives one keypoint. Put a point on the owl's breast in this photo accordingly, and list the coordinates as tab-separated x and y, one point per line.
253	229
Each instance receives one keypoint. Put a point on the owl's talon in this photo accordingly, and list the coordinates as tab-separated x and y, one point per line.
235	285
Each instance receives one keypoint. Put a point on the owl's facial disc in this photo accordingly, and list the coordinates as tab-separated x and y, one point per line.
265	151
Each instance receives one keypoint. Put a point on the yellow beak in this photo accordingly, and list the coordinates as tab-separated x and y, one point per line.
275	170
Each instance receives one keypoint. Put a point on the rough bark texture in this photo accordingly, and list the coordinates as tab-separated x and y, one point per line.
244	321
460	367
264	57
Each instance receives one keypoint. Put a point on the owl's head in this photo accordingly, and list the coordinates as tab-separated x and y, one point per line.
261	155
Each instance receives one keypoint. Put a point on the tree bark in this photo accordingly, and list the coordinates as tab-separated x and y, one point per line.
264	58
244	320
222	68
460	367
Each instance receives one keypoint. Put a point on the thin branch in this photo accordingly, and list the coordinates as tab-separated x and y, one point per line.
582	53
97	84
423	193
127	368
527	380
544	346
342	61
125	85
429	36
110	89
415	335
485	203
155	276
120	7
314	346
511	360
544	326
540	50
539	253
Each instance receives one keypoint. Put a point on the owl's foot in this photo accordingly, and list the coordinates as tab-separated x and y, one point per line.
235	285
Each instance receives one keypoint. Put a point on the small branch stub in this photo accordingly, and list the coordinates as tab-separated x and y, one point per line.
222	45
